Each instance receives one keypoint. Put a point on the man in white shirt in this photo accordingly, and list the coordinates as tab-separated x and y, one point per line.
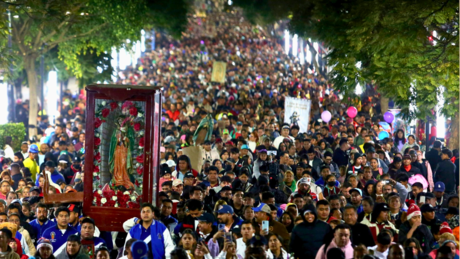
247	231
284	134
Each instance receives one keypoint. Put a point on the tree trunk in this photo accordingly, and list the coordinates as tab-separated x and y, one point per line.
384	103
454	137
29	62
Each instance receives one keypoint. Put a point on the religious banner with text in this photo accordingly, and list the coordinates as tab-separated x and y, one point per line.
297	112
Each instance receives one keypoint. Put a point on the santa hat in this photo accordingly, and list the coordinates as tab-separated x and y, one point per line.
445	228
413	210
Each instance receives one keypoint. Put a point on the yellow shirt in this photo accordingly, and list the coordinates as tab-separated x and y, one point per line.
33	167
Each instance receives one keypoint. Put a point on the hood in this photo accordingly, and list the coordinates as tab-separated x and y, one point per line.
50	156
312	208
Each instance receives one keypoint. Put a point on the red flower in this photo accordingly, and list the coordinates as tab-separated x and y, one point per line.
141	142
97	123
105	112
136	183
97	156
113	105
96	169
97	141
133	111
126	104
140	159
139	170
137	126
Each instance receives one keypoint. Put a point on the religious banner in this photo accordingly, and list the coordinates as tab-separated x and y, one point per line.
219	70
297	112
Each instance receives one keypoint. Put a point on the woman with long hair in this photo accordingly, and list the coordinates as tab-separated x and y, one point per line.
275	246
188	241
399	139
287	220
378	190
411	142
413	244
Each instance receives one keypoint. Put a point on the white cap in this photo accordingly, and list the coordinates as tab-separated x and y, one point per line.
171	163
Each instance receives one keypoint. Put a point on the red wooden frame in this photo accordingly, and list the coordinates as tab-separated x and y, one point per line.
111	219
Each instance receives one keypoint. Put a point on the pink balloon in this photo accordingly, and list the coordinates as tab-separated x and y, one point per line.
352	112
326	116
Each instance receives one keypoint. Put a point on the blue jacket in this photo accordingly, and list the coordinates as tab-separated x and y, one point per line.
157	236
40	229
57	238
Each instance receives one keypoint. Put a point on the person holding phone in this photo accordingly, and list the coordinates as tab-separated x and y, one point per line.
263	218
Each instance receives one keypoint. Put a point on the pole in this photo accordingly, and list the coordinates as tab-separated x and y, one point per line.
10	81
427	135
42	76
61	97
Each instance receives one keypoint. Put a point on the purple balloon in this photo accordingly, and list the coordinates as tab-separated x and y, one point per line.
326	116
388	117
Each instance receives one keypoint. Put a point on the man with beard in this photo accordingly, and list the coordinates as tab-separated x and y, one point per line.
41	223
225	215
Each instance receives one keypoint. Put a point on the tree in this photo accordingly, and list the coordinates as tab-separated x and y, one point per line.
78	26
394	43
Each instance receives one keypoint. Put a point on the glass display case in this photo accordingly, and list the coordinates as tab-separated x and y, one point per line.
122	152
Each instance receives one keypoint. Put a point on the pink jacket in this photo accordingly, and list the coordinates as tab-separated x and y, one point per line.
347	250
429	175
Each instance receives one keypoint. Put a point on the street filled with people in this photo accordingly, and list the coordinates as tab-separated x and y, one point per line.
264	188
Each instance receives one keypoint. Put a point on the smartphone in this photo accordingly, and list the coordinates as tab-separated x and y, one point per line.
221	227
422	199
265	225
228	237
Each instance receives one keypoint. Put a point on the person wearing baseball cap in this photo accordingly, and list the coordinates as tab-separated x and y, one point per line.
441	196
205	224
285	129
178	186
262	213
379	220
32	161
429	217
413	228
407	167
225	215
356	197
208	152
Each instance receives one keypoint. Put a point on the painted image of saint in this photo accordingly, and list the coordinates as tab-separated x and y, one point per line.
120	155
294	118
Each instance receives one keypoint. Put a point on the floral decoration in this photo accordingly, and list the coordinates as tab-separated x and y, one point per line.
110	195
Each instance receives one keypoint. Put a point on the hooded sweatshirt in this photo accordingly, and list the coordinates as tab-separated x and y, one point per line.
307	245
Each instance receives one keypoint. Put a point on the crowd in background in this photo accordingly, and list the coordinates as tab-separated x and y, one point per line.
264	190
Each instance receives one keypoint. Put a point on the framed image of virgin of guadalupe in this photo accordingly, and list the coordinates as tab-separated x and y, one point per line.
122	150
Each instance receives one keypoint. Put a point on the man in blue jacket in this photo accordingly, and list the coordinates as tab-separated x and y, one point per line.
153	233
58	234
41	223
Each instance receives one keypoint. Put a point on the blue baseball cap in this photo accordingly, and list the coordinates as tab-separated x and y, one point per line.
439	187
225	209
245	147
262	207
33	149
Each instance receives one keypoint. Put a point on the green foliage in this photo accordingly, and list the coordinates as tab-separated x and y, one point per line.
68	30
16	131
390	39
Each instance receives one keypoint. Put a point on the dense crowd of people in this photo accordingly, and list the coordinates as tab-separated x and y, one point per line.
265	190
